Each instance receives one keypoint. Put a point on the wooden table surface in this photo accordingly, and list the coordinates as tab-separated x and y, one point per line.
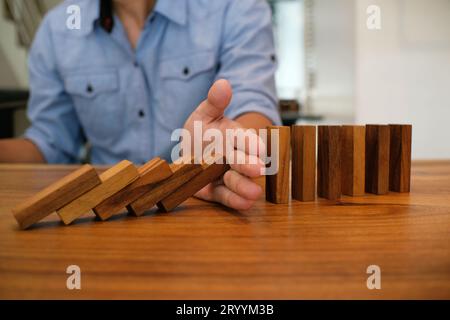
301	250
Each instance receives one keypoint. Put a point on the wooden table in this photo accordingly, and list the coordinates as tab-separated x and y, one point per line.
301	250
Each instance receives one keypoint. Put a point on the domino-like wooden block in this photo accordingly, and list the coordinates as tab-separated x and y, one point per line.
210	172
182	173
277	185
56	196
329	162
377	158
400	157
353	162
303	163
150	173
113	180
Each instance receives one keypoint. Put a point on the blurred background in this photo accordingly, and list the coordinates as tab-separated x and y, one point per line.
332	68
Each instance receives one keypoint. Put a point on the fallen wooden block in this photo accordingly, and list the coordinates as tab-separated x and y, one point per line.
353	161
303	163
113	180
152	172
277	185
210	172
400	158
329	162
182	173
377	159
56	196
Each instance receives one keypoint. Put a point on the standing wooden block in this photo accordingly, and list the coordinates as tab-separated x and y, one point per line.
113	180
304	163
329	162
400	158
182	173
56	196
277	185
353	160
150	173
210	172
377	159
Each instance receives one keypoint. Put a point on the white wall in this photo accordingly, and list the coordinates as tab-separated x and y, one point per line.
333	26
403	70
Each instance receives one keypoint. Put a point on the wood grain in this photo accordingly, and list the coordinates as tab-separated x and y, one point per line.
151	173
55	196
182	173
302	250
400	157
377	159
329	162
303	163
113	180
353	160
210	172
277	185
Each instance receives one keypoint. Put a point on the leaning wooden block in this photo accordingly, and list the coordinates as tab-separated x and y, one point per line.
400	157
182	173
210	172
277	185
152	172
353	163
113	180
377	159
56	196
304	163
329	162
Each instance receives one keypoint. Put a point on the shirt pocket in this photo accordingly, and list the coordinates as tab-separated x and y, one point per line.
185	82
97	101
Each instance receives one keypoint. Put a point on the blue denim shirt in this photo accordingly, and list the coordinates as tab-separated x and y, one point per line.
90	85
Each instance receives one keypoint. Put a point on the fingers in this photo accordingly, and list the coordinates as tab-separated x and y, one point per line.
219	97
230	199
237	192
244	139
248	165
242	185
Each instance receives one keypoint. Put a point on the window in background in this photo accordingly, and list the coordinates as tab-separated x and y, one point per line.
288	20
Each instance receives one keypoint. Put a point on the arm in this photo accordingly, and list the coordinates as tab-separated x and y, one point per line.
55	134
20	150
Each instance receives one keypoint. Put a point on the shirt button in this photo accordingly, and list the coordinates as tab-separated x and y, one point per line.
136	64
89	88
273	58
186	71
141	113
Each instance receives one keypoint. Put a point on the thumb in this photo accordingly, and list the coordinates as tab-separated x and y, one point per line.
219	97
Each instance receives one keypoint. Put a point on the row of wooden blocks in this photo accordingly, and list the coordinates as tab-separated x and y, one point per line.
351	160
122	186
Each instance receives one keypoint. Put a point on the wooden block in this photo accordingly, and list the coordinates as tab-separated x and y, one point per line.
113	180
353	162
152	172
377	159
303	163
277	185
182	173
329	162
400	157
56	196
210	172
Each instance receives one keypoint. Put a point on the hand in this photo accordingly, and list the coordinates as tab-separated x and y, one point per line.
236	189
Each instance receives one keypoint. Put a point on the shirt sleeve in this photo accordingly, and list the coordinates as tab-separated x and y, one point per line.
55	128
247	59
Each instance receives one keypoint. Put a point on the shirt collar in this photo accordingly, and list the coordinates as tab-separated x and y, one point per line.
174	10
